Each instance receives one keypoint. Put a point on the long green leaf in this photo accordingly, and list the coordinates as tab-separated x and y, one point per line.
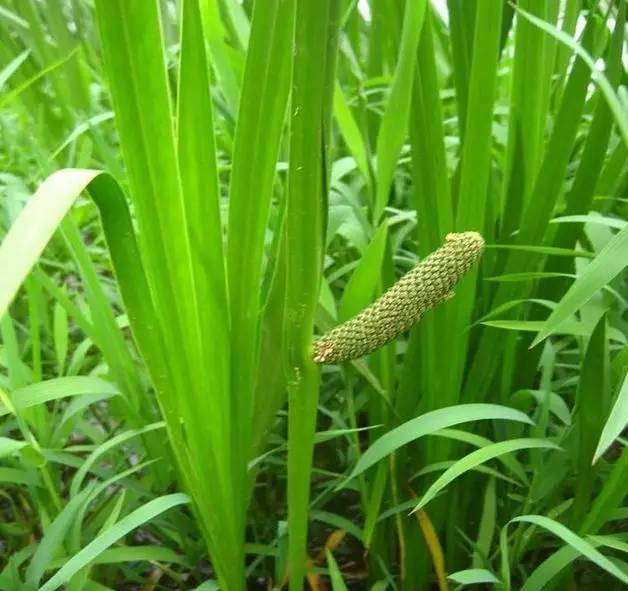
260	124
430	423
616	422
103	541
618	108
55	389
476	160
392	131
576	542
34	227
362	285
478	457
611	260
54	538
473	576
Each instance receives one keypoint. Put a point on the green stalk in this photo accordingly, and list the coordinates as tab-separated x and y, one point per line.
310	111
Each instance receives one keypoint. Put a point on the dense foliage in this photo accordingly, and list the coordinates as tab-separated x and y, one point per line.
193	191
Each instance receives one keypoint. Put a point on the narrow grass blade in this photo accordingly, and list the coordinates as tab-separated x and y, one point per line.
99	544
486	529
12	66
478	457
362	285
476	440
593	218
9	446
476	151
200	196
462	19
429	423
429	157
476	161
215	34
611	260
144	553
609	498
259	129
592	405
557	405
392	131
55	389
617	107
104	448
473	576
545	572
616	422
352	135
568	327
199	177
53	539
109	337
582	546
24	86
337	582
422	363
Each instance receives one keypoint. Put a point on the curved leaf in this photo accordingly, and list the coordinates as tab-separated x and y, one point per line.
616	422
429	423
473	576
611	260
478	457
35	225
57	388
103	541
579	544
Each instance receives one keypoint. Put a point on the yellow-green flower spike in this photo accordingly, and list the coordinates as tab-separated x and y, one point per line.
430	283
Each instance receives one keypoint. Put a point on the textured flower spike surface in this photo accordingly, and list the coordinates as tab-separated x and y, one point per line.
430	283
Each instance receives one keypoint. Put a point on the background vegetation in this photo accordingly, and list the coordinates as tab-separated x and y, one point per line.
270	168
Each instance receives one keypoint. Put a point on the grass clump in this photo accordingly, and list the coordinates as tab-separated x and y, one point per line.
191	191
